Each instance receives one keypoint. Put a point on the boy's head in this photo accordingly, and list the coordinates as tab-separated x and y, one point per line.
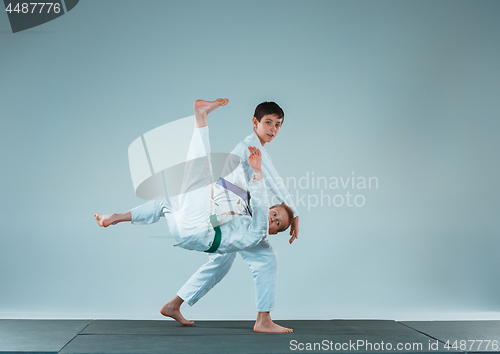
269	108
280	218
267	121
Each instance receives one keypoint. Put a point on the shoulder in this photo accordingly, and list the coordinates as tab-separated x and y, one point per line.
242	148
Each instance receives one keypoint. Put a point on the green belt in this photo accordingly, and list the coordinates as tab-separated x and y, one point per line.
218	234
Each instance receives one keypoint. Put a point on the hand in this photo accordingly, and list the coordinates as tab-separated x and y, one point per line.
294	229
255	159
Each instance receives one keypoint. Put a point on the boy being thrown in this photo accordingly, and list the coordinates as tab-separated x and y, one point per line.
261	258
262	254
190	222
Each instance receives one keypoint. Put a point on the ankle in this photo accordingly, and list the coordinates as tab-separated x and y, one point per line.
114	219
263	318
201	122
175	302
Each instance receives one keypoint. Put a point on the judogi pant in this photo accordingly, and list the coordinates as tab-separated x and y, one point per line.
262	260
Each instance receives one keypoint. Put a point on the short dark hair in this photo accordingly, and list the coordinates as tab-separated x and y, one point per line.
289	211
269	108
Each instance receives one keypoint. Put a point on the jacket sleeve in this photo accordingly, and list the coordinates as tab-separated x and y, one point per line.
272	179
260	209
275	183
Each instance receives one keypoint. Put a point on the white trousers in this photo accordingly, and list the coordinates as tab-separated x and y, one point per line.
262	260
193	212
191	218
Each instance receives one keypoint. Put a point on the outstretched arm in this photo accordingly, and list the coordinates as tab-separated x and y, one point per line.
255	161
274	183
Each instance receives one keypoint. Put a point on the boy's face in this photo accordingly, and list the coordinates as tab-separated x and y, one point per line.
268	127
278	217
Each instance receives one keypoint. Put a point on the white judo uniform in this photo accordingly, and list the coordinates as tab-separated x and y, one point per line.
261	258
190	222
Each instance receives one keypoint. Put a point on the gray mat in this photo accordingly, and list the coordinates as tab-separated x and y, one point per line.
337	327
167	327
333	336
258	343
472	332
316	327
38	336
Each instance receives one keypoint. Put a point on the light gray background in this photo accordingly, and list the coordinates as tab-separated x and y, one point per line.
400	90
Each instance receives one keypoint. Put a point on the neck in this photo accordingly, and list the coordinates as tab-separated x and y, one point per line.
262	142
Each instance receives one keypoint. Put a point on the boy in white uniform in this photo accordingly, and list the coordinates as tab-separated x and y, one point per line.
191	222
261	258
237	235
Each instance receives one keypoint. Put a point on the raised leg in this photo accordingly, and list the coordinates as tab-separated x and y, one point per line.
203	108
194	197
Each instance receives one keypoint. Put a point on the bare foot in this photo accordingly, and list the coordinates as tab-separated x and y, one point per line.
203	108
103	220
112	219
264	324
271	328
171	309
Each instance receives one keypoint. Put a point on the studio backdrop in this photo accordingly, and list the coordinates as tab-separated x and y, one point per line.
389	149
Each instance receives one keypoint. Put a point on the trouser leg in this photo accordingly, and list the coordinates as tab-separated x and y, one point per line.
207	276
263	261
148	213
191	216
194	200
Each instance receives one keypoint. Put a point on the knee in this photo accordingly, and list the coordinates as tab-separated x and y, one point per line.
221	260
